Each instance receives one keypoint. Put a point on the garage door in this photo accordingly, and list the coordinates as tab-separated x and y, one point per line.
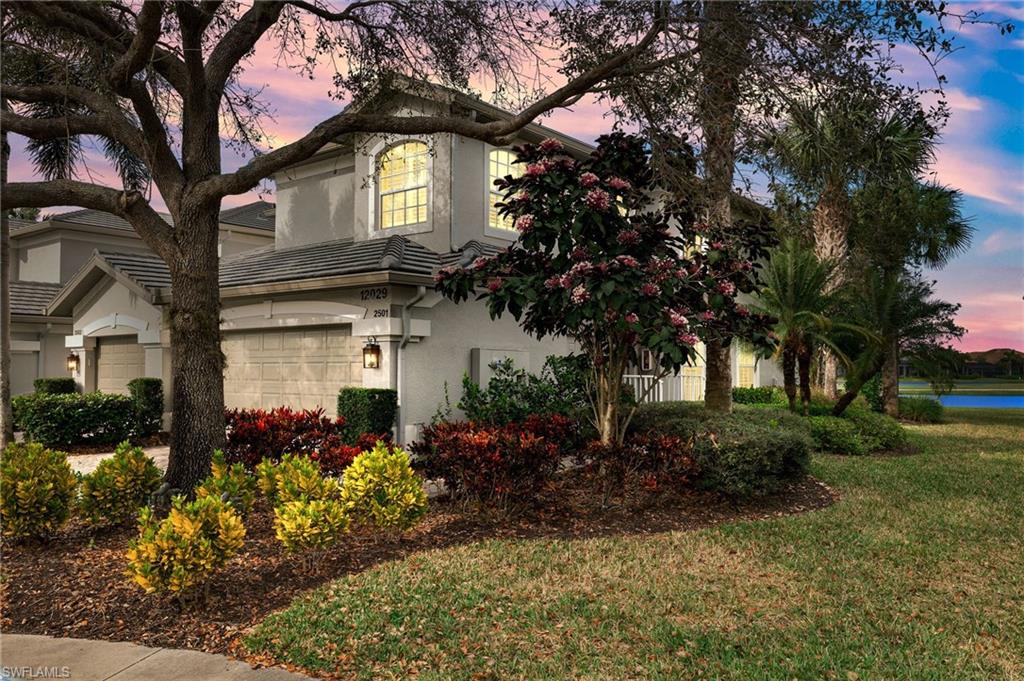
118	360
299	368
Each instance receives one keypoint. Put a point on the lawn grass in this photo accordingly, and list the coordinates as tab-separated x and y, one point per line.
916	573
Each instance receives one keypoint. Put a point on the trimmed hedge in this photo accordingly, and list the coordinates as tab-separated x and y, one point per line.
762	395
148	399
878	432
71	419
921	409
58	385
367	410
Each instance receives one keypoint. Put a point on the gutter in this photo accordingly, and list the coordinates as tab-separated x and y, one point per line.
421	292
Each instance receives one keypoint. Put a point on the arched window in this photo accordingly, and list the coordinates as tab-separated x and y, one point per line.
402	181
499	164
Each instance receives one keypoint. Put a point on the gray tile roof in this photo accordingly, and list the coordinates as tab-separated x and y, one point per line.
469	252
148	270
331	258
31	297
257	215
99	218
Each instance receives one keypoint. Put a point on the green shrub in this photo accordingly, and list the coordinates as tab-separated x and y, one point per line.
762	395
367	410
921	409
232	483
148	401
71	419
313	524
120	485
877	431
37	488
294	478
185	548
837	435
381	488
57	385
872	392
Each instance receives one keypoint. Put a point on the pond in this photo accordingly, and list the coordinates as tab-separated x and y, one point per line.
981	401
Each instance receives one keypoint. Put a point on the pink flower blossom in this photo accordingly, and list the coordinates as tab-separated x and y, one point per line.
521	196
618	184
628	237
551	283
650	290
687	339
551	145
633	318
581	268
726	288
742	311
579	253
598	199
707	315
493	285
481	262
535	169
717	245
589	179
678	319
627	260
524	223
746	265
580	295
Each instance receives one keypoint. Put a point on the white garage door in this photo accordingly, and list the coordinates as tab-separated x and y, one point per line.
118	360
298	368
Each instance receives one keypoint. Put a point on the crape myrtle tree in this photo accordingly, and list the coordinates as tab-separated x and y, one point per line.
600	260
162	80
728	69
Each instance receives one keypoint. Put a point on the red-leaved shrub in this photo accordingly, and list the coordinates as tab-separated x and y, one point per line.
256	434
495	465
645	462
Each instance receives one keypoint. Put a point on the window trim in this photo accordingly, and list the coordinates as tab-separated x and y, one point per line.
376	154
496	232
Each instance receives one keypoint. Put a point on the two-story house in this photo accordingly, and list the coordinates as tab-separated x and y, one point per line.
344	295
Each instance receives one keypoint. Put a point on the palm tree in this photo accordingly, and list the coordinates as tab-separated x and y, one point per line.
833	144
794	290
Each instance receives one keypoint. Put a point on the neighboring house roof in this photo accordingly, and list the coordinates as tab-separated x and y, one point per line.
98	218
469	252
257	215
32	297
149	271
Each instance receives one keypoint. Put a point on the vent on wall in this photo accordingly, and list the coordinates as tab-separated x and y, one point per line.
481	359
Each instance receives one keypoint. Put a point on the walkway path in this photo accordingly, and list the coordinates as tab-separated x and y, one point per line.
42	657
86	463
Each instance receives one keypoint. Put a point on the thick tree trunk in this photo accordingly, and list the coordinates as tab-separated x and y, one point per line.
718	386
830	220
197	363
6	418
891	380
789	374
804	367
724	39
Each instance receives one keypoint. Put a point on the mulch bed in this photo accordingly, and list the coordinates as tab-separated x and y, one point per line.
74	586
157	440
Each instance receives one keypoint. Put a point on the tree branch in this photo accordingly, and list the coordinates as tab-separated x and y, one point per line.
238	41
131	206
140	52
54	128
495	132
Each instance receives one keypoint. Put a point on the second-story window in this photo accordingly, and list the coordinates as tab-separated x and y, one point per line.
500	162
403	182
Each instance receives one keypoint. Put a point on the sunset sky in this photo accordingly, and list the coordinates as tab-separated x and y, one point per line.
982	154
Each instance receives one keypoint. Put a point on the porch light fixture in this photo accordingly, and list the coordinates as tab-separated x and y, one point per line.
73	363
371	354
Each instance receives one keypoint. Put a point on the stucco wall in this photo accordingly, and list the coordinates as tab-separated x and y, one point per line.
39	262
112	297
232	242
315	202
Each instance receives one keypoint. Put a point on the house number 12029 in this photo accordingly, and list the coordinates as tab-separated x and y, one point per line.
379	293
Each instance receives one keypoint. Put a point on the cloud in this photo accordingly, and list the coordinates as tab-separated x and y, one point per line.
999	241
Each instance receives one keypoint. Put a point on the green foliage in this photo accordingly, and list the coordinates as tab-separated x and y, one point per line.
878	432
836	435
59	385
872	392
185	548
750	452
295	478
148	401
70	419
921	409
37	488
313	524
119	487
762	395
381	488
367	410
514	394
232	483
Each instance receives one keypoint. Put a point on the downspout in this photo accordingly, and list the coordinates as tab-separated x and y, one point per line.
421	292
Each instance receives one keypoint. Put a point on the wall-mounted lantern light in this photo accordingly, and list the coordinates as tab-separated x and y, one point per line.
73	363
371	354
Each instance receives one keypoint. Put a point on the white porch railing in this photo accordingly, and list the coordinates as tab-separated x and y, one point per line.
688	386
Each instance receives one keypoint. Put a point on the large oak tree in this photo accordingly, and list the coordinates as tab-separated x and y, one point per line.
162	80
